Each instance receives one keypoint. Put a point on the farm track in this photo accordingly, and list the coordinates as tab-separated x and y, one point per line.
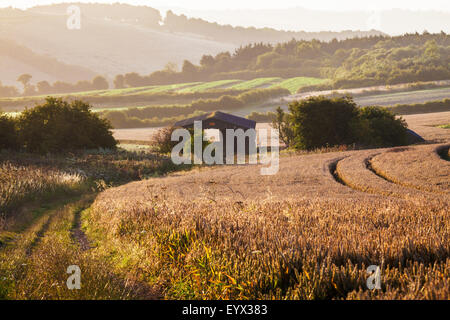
40	254
77	233
40	234
38	229
332	166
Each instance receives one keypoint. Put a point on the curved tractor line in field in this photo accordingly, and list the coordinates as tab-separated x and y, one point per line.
374	172
421	168
356	172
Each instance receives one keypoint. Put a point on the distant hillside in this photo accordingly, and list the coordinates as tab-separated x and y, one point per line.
107	47
119	38
140	15
16	59
350	63
241	35
393	22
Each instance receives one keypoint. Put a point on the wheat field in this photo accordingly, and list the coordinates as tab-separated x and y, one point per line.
309	232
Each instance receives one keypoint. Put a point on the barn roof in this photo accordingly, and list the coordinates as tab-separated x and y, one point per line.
217	115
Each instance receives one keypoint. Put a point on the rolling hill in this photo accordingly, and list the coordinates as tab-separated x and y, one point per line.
119	38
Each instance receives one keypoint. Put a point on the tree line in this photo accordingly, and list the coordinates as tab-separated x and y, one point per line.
398	109
357	62
348	63
165	115
59	87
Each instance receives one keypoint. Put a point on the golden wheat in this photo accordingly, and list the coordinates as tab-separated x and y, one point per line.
229	232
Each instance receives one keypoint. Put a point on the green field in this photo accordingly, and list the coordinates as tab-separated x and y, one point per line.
256	83
130	97
294	84
203	86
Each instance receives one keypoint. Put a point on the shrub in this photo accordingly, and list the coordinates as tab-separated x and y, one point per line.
161	140
318	122
162	143
61	126
378	127
8	133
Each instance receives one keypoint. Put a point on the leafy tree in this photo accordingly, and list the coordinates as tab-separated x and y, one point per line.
319	122
161	140
25	80
133	79
171	67
100	83
188	68
265	60
8	133
378	127
207	61
43	87
83	85
61	126
30	90
282	123
8	91
119	82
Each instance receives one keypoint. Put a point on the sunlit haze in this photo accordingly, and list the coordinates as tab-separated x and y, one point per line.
438	5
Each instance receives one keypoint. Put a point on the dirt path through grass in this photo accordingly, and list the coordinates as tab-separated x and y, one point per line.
34	264
77	233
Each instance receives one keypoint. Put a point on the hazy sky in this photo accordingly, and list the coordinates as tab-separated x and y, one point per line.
437	5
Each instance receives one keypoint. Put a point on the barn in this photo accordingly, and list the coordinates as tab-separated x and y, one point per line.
221	121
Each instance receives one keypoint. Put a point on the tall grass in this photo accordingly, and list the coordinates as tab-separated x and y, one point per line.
20	183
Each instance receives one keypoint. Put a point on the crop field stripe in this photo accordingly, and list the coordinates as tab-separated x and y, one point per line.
293	84
256	83
208	86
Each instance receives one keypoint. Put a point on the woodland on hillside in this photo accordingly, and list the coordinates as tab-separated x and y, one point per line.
348	63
